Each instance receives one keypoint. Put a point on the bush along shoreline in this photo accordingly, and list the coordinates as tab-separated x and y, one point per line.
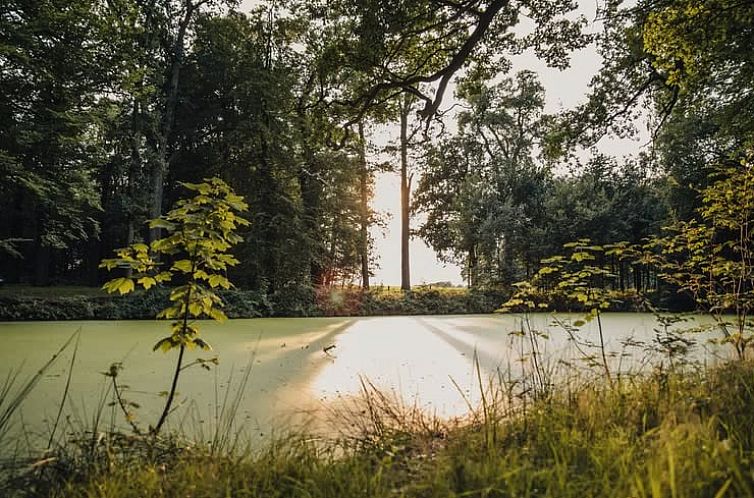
291	302
137	306
296	302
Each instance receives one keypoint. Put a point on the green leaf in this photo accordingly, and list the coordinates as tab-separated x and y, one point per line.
183	265
147	282
161	223
581	256
169	313
545	270
163	276
178	293
165	344
202	344
218	315
218	280
195	308
121	285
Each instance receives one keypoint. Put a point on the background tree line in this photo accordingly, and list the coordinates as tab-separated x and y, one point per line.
513	185
108	105
105	105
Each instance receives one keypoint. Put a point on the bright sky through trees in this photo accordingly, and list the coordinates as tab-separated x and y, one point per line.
565	89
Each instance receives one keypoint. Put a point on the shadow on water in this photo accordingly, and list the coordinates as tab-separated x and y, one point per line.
467	344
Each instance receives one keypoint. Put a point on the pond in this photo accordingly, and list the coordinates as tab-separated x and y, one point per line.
296	373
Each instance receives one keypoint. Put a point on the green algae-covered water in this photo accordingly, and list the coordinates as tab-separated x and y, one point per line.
296	373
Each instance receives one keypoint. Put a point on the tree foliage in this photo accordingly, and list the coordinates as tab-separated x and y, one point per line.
200	231
106	106
712	258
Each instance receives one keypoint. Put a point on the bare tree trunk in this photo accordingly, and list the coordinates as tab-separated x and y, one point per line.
364	214
405	192
472	267
311	189
162	162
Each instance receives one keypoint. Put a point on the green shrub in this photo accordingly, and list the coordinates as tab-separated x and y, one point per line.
294	300
142	305
290	301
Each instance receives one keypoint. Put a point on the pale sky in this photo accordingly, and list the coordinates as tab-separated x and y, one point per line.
564	89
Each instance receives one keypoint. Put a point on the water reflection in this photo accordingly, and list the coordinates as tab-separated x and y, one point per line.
420	360
400	355
426	360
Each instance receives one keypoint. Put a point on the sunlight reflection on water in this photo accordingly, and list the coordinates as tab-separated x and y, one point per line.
424	361
402	356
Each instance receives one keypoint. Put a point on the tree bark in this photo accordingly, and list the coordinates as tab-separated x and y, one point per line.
42	264
311	195
472	267
405	192
161	163
364	211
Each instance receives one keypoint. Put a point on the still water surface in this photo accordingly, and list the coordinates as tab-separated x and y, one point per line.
295	372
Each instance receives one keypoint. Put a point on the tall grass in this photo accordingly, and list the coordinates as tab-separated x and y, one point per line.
668	433
14	391
15	448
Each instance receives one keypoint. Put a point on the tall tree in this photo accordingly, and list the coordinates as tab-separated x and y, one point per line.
51	83
406	136
177	18
499	185
684	66
364	181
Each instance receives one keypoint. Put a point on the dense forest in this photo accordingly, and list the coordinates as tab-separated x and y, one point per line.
107	106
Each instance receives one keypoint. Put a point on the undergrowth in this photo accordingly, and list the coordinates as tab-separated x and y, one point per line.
297	301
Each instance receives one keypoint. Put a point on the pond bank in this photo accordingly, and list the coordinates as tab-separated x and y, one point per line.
298	302
59	304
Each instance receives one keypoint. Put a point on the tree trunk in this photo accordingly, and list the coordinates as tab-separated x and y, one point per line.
134	171
330	273
162	163
311	189
472	267
364	211
622	276
508	273
405	192
42	264
310	200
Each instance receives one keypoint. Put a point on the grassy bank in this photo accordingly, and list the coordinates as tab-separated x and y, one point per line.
661	435
28	303
19	303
